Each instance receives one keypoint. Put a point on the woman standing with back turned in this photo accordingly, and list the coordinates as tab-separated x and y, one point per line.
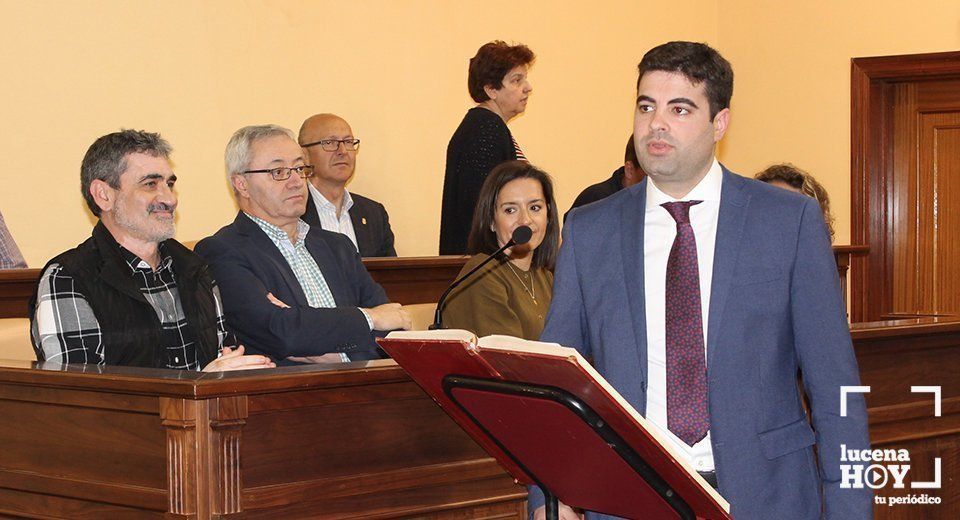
497	81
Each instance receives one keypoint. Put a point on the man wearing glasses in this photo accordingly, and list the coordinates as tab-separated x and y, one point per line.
131	294
291	291
332	151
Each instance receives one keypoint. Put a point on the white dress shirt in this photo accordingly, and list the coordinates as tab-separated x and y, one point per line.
659	231
328	214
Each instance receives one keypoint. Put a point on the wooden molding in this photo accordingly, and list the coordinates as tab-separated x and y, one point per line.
871	209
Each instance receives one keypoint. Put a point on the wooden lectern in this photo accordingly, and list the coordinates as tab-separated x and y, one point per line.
550	419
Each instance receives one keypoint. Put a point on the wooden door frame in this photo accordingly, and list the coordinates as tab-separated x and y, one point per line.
871	128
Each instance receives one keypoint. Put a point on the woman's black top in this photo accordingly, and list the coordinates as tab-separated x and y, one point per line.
481	142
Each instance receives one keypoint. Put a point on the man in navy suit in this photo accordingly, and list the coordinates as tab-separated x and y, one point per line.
332	151
699	294
291	291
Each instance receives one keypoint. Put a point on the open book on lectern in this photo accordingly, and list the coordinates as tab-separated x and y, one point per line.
549	418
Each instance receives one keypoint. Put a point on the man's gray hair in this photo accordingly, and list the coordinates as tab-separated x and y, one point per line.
106	158
237	155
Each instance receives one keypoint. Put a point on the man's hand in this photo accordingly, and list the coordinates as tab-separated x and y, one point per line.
389	316
566	513
325	358
276	301
233	359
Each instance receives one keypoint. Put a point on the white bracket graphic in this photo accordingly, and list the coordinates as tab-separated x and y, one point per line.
935	390
936	478
844	390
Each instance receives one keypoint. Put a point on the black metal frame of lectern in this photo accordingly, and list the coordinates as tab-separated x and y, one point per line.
585	414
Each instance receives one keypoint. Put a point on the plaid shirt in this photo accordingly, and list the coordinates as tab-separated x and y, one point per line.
10	257
68	331
304	267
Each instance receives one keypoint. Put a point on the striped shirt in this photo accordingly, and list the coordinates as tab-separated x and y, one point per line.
516	148
10	257
328	214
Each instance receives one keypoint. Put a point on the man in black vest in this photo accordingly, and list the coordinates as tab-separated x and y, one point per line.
130	294
332	150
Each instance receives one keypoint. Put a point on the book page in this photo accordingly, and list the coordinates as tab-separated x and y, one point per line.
501	342
440	334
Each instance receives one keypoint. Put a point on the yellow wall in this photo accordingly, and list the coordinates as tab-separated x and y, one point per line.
791	64
196	71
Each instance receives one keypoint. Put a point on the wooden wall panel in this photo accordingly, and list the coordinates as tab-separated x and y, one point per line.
940	156
893	356
896	185
358	440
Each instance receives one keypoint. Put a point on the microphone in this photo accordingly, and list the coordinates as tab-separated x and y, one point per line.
521	235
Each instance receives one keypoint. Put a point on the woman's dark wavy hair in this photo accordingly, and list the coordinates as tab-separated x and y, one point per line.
492	62
484	241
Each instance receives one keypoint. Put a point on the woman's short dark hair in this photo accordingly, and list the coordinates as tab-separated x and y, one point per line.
492	63
804	183
484	241
699	63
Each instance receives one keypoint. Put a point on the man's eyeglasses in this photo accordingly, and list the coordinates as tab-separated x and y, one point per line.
332	145
282	174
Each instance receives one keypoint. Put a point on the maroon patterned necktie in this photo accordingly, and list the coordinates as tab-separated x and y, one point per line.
687	415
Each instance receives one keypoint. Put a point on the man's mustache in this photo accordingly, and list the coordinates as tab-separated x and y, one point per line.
160	206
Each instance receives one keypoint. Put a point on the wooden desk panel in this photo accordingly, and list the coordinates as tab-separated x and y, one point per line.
319	442
406	280
893	356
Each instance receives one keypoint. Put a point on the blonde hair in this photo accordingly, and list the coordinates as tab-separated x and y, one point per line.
805	183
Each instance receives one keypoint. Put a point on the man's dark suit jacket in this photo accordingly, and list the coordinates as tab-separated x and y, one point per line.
247	265
599	191
370	221
775	306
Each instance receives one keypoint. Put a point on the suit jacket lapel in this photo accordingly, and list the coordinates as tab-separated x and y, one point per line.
631	251
259	241
310	216
360	228
733	205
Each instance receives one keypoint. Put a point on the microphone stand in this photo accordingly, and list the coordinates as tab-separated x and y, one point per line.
521	236
437	315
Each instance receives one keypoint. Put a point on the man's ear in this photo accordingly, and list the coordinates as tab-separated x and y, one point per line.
240	187
720	124
103	195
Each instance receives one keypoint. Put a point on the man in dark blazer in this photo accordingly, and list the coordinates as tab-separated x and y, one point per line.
291	291
332	151
623	177
760	300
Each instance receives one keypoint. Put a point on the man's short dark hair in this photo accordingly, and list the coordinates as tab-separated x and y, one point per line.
106	158
630	155
492	63
699	63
